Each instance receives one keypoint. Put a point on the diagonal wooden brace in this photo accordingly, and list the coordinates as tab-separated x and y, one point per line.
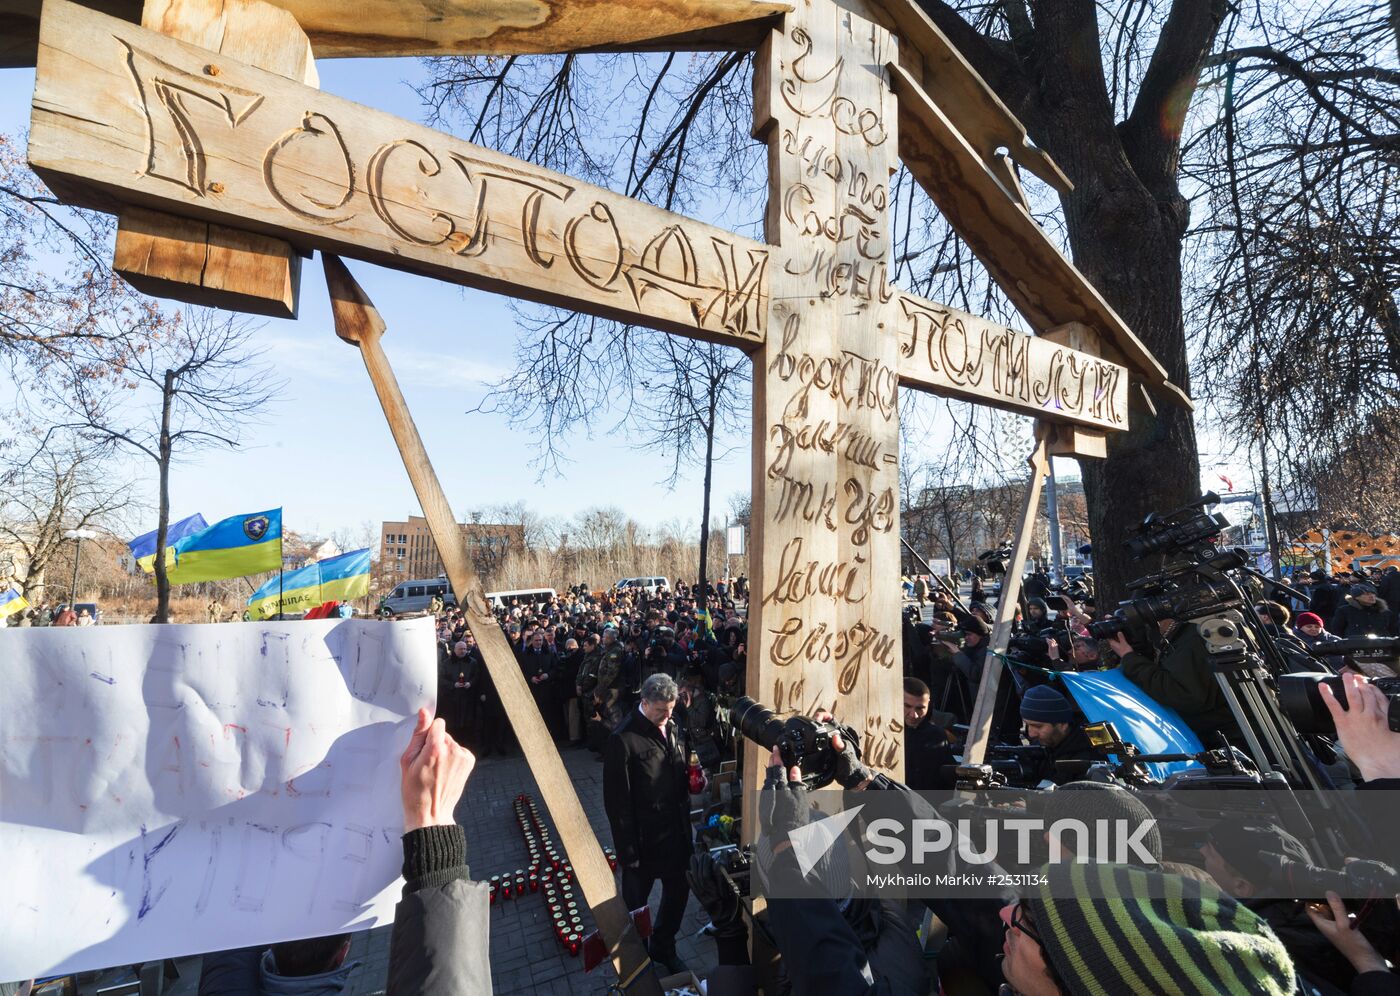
202	262
357	321
980	726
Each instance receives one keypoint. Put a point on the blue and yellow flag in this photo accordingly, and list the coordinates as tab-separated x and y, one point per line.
334	579
231	548
143	547
11	601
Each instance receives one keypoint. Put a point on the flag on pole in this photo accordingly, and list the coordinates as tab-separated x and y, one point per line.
335	579
143	547
231	548
11	601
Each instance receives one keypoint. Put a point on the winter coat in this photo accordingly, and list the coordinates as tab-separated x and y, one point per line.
1326	599
253	972
1355	619
646	794
1181	678
1320	642
441	937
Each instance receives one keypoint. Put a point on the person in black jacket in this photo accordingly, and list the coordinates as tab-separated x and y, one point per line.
1362	614
647	799
541	667
1326	595
1051	722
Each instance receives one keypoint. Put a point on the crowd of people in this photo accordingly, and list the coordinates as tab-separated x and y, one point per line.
643	678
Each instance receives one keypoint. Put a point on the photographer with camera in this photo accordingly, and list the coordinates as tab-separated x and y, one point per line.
1179	675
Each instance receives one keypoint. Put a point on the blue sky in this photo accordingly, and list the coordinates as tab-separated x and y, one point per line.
325	454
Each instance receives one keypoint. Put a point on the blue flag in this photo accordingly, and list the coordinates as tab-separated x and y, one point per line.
143	547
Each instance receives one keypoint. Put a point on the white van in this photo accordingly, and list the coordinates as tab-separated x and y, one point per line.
650	585
416	596
523	596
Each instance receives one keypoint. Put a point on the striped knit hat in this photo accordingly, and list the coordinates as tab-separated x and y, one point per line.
1166	934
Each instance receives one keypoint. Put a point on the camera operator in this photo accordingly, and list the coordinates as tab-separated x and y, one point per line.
1083	653
1051	722
973	656
1232	856
1180	677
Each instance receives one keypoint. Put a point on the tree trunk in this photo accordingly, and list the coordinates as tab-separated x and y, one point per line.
703	601
1125	221
163	517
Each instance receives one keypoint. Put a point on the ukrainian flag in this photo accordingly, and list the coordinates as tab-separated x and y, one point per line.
335	579
232	548
143	547
11	601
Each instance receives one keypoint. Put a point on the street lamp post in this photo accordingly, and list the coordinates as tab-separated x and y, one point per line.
77	535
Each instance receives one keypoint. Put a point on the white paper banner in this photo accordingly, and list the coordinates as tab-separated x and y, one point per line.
169	790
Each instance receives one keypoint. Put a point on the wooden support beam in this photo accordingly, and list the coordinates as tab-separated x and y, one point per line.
199	262
472	27
123	115
951	352
980	726
973	107
1046	287
358	322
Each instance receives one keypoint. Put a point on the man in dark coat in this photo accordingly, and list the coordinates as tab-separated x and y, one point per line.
1051	722
1326	596
1362	614
1179	675
647	799
541	668
927	750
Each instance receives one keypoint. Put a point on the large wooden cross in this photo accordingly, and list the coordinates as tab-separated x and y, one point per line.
204	130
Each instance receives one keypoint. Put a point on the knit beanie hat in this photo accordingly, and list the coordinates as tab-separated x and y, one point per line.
1089	801
1042	704
1308	619
1193	934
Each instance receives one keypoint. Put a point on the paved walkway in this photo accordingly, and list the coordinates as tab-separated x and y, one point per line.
525	956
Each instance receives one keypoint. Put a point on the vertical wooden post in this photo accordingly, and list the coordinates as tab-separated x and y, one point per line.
824	616
357	322
980	727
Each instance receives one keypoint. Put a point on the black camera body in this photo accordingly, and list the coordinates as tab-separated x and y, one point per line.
1031	648
801	742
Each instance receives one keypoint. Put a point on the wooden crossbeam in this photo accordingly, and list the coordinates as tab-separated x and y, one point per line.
971	105
195	261
1044	286
951	352
123	115
471	27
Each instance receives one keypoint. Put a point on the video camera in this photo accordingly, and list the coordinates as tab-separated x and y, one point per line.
1300	694
994	560
801	742
1179	530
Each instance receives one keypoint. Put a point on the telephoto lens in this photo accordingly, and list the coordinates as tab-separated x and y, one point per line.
756	722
